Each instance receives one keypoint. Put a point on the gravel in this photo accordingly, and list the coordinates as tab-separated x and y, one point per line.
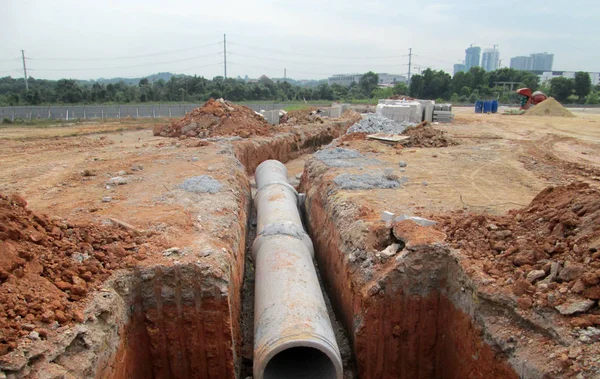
340	157
367	181
201	184
374	123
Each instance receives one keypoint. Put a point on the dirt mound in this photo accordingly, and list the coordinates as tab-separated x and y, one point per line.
48	266
302	117
217	118
549	107
424	135
546	254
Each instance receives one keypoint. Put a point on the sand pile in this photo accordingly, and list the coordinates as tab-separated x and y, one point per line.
424	135
546	254
48	266
549	107
217	118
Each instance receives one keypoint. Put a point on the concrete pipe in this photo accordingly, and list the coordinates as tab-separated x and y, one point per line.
293	337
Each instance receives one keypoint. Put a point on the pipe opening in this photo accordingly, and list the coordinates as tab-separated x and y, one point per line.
298	363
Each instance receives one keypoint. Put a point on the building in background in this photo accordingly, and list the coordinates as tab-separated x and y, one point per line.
534	62
458	67
385	79
521	63
344	79
546	76
472	55
391	79
490	59
542	61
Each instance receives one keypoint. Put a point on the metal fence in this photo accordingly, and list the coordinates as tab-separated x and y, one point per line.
89	112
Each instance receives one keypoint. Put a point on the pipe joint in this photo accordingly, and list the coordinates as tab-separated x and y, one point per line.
285	229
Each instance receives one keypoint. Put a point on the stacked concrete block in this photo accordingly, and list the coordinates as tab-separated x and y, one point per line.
335	112
400	110
428	106
443	113
272	117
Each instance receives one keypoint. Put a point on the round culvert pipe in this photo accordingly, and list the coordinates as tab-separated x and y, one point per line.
293	337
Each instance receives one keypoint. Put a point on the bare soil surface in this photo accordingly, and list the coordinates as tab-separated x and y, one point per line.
517	203
500	163
49	265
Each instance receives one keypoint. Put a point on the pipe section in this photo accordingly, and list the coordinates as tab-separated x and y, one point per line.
293	337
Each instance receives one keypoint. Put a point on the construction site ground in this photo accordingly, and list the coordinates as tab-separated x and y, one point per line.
499	163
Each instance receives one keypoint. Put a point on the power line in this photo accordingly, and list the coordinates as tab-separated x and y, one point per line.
314	55
277	69
409	63
203	66
225	54
126	67
25	70
127	57
320	62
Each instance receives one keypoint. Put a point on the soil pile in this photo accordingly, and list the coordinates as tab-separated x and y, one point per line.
546	254
301	117
549	107
47	267
424	135
217	118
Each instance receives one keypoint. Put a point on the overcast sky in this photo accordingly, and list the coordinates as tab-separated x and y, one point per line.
87	39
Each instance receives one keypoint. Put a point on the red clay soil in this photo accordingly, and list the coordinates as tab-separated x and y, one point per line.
546	253
353	137
48	266
424	135
217	118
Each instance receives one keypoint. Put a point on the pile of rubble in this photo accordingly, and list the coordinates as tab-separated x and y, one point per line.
546	254
375	123
425	135
49	265
217	118
302	116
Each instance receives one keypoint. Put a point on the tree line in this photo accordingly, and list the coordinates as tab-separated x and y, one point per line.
464	87
477	84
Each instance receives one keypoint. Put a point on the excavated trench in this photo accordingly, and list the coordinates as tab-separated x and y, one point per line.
183	321
415	317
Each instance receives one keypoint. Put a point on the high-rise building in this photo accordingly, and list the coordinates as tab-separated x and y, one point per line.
459	67
542	61
490	59
472	55
521	63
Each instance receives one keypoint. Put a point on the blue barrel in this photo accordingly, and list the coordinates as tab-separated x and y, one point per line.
487	107
478	106
494	106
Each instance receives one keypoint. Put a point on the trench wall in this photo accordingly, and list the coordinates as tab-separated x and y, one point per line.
186	319
408	316
175	318
287	146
